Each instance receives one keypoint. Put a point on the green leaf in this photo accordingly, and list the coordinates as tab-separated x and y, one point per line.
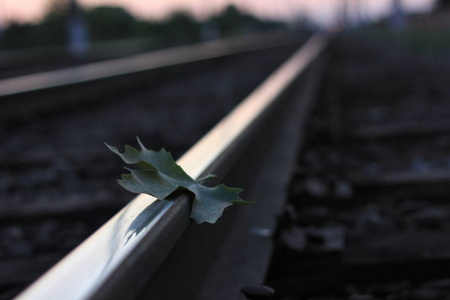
159	175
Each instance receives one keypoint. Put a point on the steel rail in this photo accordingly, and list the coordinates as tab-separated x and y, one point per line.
143	62
97	50
129	248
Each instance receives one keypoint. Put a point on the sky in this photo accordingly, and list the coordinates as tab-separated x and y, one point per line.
320	11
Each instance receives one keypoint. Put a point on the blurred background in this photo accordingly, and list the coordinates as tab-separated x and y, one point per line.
156	24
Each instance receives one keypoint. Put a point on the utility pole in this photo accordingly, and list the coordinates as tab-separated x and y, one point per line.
353	15
357	12
397	20
208	31
348	13
362	13
77	32
342	8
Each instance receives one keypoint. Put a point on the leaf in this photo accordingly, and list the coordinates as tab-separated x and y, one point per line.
159	175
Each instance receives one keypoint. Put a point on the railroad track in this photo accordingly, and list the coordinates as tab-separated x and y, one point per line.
58	178
348	171
94	82
20	62
237	143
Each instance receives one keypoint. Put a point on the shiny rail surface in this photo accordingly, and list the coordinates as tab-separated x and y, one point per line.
143	62
97	50
147	229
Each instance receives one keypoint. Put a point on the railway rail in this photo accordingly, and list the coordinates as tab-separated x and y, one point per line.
349	174
104	79
56	183
19	62
134	246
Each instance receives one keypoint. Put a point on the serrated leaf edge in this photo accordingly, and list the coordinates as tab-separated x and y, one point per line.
193	187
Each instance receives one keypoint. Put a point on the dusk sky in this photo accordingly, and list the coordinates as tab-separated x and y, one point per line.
319	10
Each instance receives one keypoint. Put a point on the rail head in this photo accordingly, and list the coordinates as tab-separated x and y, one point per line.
146	229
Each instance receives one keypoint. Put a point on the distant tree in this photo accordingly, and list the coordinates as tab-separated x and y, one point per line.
233	22
52	29
106	23
17	36
110	23
181	28
230	21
